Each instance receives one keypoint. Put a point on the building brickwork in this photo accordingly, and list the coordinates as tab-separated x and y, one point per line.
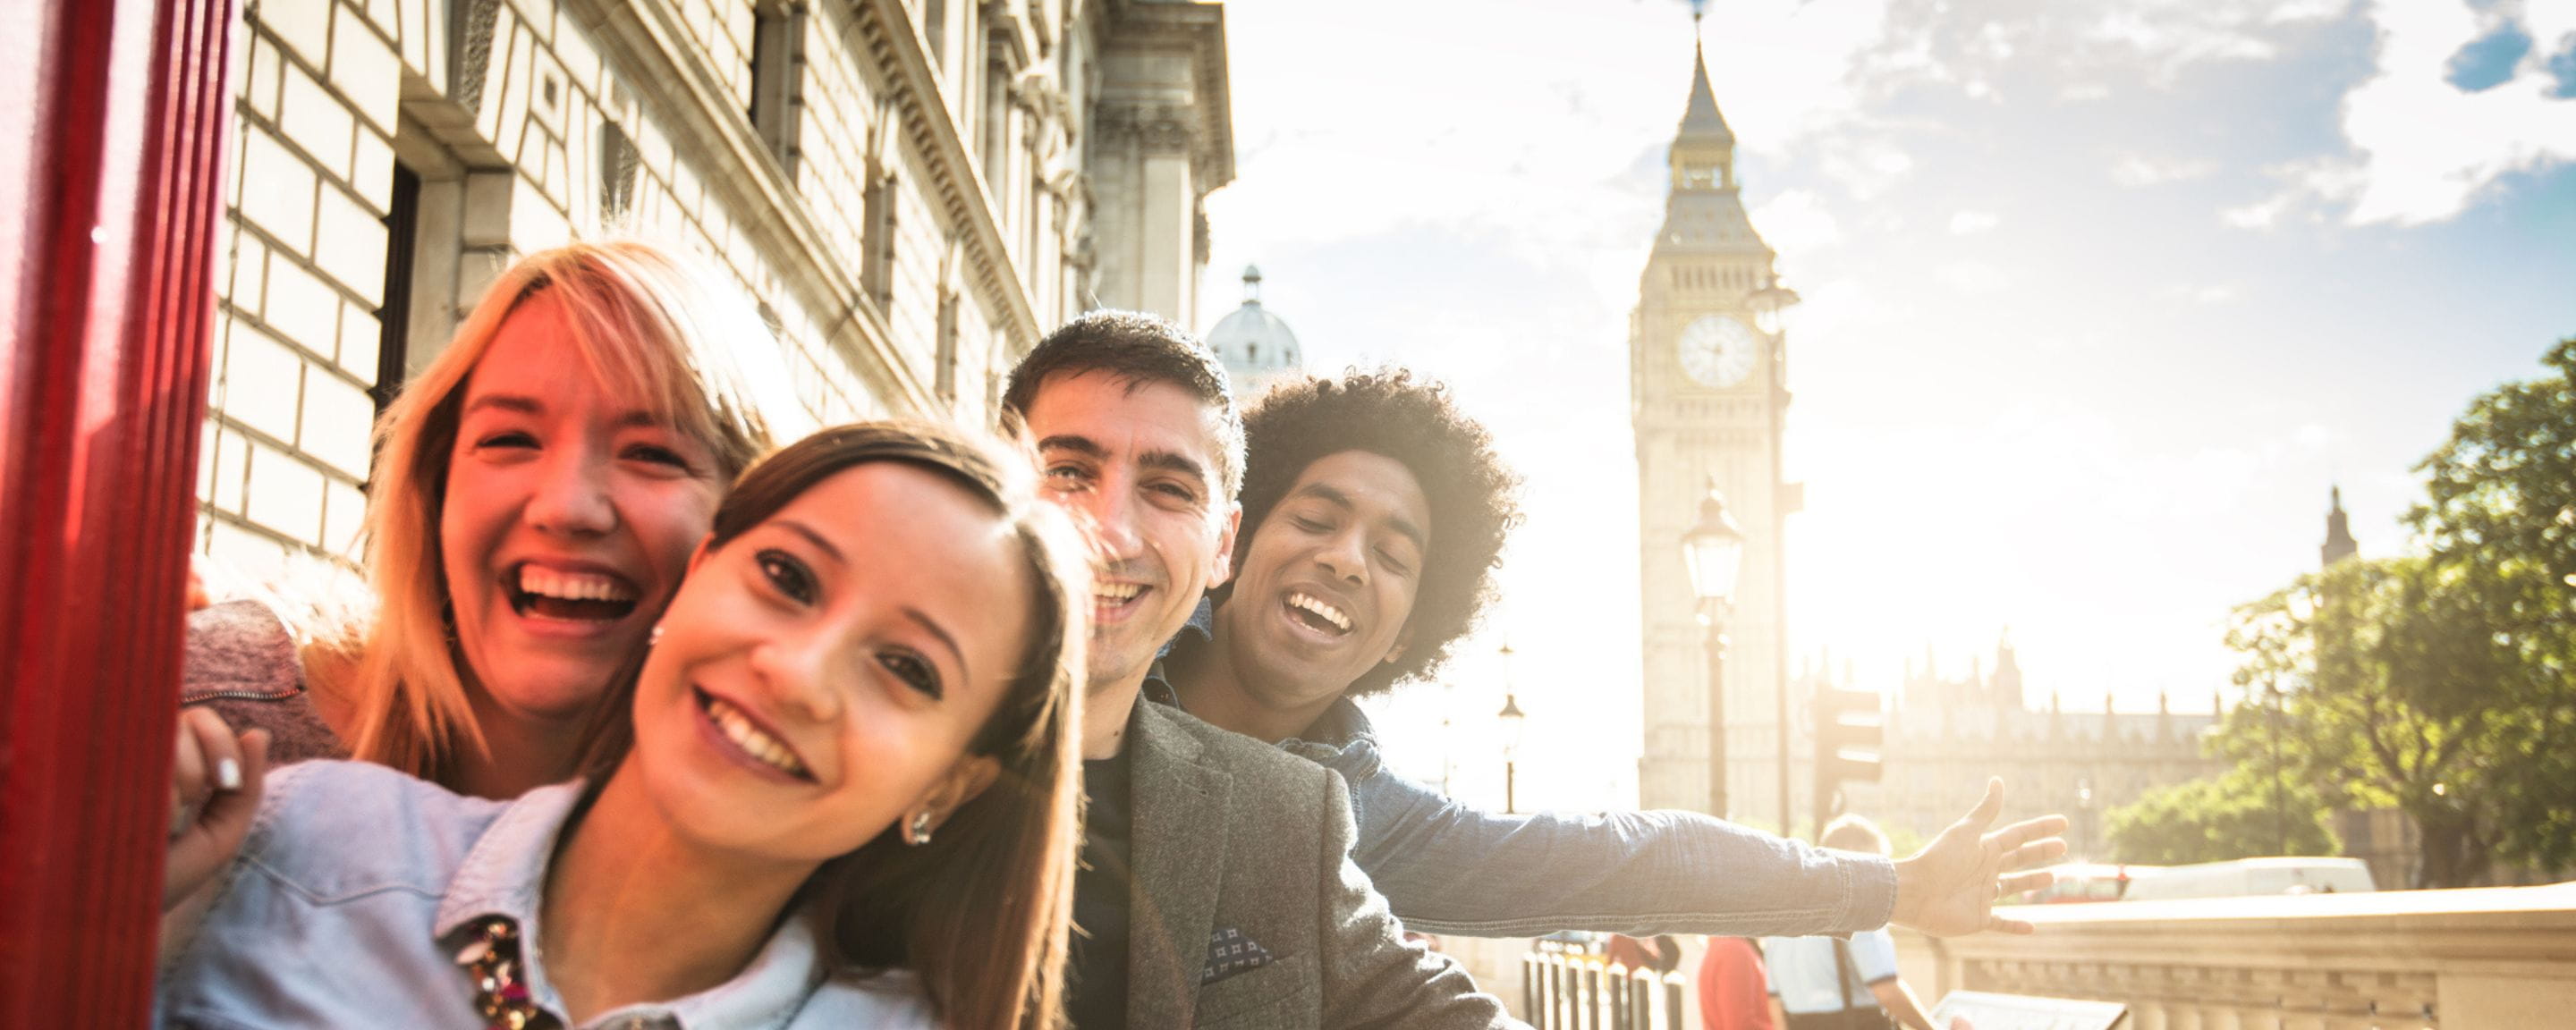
905	187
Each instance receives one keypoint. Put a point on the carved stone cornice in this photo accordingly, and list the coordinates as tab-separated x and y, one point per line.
656	60
1159	128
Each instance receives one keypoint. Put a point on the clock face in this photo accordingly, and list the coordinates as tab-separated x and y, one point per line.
1717	351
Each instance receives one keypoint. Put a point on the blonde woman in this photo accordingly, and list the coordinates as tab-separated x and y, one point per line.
536	492
839	790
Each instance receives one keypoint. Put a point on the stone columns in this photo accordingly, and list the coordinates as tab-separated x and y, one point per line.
1162	139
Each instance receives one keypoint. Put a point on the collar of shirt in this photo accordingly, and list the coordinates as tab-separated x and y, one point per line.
1341	737
502	875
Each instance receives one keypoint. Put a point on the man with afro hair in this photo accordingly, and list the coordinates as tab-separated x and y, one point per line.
1374	513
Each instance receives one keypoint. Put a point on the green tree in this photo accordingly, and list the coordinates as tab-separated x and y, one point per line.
2387	680
2499	523
2228	816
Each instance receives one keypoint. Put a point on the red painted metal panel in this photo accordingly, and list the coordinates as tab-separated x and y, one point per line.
114	165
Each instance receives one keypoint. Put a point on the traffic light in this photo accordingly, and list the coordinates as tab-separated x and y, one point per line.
1849	734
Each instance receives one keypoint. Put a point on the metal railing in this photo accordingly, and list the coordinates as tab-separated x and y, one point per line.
1562	991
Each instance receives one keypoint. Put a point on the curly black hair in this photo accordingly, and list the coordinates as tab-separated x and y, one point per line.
1414	421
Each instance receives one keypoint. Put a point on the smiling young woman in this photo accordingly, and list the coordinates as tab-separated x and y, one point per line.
836	789
534	497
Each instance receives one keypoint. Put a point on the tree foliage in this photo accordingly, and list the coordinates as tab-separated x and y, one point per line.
2444	682
2234	815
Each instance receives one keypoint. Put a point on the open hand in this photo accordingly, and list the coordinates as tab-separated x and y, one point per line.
1949	888
214	791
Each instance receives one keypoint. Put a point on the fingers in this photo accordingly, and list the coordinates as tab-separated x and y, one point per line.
209	834
2028	830
2035	853
1988	808
2020	882
1999	924
204	744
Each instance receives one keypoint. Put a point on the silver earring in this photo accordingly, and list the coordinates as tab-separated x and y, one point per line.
654	637
918	833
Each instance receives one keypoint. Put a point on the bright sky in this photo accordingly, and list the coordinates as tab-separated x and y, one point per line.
2101	298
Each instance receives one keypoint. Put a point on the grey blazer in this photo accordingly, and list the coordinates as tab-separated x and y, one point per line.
1231	834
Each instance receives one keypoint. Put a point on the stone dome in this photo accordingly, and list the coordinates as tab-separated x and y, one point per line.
1253	343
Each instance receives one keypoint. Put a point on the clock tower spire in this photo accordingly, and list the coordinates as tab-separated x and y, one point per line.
1707	388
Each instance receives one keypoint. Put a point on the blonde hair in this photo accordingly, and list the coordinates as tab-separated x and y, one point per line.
980	911
647	325
1853	833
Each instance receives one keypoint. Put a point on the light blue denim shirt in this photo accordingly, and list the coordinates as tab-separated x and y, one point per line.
1450	867
358	886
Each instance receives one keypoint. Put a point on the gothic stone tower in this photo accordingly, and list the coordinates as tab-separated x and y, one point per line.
1706	386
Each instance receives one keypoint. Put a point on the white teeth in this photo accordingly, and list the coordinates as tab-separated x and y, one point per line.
1120	592
1328	612
747	736
573	586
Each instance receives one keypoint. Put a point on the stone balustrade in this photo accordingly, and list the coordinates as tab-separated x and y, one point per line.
2502	958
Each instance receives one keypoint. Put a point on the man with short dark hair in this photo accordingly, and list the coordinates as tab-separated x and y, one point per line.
1216	884
1374	514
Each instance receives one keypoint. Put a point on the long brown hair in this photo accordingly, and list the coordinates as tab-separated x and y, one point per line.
648	325
980	913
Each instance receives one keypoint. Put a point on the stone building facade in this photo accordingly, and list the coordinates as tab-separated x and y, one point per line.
913	190
1945	736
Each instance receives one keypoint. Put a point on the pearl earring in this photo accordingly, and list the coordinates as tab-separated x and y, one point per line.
918	833
654	637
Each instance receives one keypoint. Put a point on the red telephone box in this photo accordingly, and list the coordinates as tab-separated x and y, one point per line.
111	161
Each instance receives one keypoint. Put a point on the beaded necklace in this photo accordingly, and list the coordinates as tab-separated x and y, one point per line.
493	960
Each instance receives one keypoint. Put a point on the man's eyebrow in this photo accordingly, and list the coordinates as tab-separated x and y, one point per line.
1082	445
814	538
1174	461
927	623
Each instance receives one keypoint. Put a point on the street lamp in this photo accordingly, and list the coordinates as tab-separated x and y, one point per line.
1713	551
2084	807
1770	307
1511	717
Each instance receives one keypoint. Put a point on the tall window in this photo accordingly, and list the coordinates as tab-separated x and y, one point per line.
997	129
934	30
946	375
393	320
876	239
778	78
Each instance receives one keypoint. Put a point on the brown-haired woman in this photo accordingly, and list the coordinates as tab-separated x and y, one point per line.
536	491
849	749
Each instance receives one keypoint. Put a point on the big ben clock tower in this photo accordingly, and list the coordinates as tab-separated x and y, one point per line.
1707	387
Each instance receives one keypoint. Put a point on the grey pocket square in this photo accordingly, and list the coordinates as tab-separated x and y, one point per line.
1229	953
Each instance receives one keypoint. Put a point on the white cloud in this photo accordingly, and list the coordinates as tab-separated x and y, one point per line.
2139	171
1970	223
2174	34
1866	167
1974	277
2256	216
2428	149
1796	223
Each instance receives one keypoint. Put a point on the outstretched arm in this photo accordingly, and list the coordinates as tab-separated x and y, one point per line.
1449	867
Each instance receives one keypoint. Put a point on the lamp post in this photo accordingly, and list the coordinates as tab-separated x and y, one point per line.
1713	551
2084	807
1511	717
1770	306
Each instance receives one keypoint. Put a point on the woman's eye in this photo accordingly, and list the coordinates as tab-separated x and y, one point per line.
658	455
790	576
507	438
914	672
